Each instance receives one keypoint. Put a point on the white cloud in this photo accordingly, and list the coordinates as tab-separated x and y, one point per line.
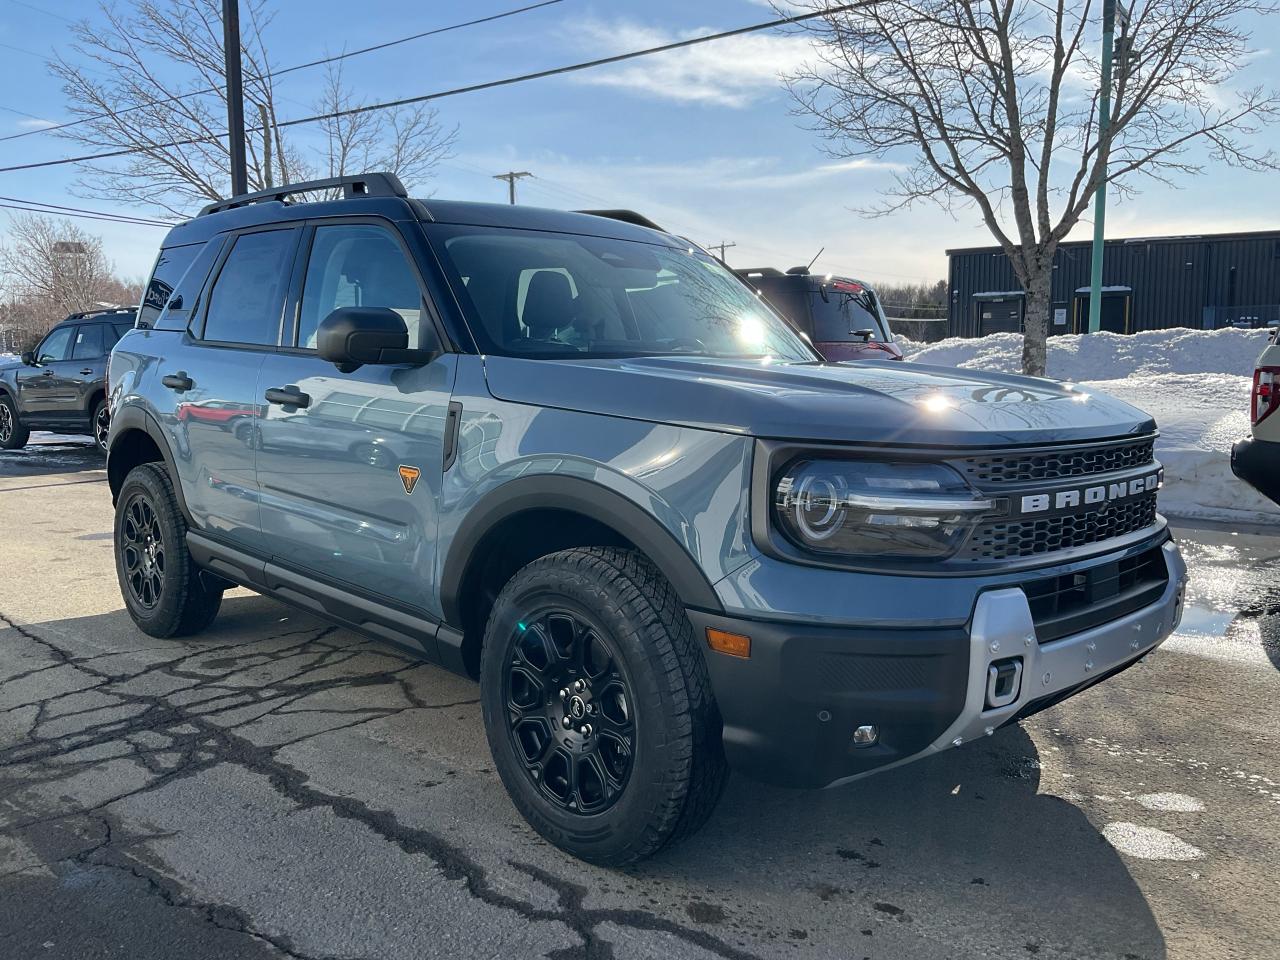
35	123
734	72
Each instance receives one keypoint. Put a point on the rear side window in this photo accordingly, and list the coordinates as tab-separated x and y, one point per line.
115	332
170	266
89	342
248	296
842	309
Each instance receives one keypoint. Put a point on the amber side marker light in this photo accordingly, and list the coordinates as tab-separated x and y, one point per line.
733	644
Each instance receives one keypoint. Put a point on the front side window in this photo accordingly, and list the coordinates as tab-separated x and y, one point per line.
248	296
359	265
532	293
89	345
55	345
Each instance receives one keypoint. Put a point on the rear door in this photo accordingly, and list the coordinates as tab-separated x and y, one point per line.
89	351
350	479
42	390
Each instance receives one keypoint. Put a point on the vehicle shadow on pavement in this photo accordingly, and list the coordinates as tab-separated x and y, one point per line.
48	454
965	832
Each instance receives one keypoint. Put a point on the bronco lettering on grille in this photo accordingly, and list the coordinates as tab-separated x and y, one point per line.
1101	493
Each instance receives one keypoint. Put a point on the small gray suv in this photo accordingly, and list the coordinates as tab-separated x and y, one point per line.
577	459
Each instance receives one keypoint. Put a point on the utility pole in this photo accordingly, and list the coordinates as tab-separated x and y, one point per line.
511	178
1111	9
235	96
722	246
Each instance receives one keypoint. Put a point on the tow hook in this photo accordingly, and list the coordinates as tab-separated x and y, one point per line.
1004	682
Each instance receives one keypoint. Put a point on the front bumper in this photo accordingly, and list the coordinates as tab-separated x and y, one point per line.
790	709
1257	463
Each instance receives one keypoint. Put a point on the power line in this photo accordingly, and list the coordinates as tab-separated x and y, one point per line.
109	218
511	177
98	213
281	72
470	88
47	13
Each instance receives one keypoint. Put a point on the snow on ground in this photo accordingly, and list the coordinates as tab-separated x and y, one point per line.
1194	382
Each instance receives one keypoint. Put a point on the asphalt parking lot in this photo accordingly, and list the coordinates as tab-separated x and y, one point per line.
276	787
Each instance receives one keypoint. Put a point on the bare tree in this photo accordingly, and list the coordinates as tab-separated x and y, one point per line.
151	75
51	268
995	105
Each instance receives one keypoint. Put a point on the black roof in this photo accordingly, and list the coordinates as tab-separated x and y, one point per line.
381	195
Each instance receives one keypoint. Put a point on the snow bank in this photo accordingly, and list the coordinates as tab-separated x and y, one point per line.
1194	382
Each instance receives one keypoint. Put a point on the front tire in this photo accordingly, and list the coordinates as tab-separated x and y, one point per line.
160	583
598	707
13	435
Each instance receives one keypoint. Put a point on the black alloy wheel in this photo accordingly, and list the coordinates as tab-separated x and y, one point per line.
6	424
101	425
13	433
571	711
142	551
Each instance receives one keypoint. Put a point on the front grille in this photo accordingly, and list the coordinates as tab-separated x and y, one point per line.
1011	540
1057	464
1074	602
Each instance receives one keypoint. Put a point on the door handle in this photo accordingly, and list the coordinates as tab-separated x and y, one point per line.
289	396
86	371
178	381
47	373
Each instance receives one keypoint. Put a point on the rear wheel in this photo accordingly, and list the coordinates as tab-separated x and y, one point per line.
13	435
101	421
160	583
598	708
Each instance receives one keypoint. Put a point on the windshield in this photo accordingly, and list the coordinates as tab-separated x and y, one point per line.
529	293
841	308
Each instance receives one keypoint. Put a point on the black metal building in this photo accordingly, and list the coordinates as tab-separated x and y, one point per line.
1218	280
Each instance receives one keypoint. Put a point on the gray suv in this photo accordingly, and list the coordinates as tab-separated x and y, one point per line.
577	459
61	385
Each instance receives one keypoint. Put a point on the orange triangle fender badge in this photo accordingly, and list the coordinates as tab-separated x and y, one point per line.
409	477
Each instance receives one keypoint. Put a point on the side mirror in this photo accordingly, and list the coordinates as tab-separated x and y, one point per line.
866	335
28	358
350	337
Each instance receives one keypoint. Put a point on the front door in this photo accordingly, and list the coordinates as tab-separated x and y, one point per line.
47	391
350	475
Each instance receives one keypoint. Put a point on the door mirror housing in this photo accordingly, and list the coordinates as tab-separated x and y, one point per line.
350	337
28	358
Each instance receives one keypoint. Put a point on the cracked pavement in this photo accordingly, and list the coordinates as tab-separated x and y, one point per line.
277	787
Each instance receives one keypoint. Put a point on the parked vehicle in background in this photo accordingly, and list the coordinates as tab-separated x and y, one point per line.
577	459
842	317
61	385
1256	461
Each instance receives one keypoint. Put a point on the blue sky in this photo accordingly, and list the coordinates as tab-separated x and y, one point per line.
702	140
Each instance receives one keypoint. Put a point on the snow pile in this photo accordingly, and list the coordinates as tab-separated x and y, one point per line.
1195	383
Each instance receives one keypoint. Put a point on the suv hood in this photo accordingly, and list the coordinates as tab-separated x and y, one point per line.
863	402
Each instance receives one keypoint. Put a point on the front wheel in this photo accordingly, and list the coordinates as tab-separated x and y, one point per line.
13	435
160	583
598	708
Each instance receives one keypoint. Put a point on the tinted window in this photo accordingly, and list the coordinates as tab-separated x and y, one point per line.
841	309
55	345
553	294
88	342
247	297
185	296
170	265
115	332
359	266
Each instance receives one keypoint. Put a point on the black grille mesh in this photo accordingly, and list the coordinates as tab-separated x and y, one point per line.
1058	464
1003	540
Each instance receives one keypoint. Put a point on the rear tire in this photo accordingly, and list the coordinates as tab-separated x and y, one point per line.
600	625
161	585
100	423
13	435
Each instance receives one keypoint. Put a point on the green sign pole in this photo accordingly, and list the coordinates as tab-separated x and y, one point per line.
1104	145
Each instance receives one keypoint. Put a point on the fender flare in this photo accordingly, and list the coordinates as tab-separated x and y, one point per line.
135	418
605	506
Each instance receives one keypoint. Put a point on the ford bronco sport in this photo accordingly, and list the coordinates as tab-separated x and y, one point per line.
61	385
579	460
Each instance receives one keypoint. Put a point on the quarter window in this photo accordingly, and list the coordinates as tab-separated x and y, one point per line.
89	345
248	296
359	265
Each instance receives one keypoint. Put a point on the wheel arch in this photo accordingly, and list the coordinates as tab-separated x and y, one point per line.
135	439
531	517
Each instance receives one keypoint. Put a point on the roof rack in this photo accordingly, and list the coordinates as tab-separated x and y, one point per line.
760	272
363	185
626	216
100	312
